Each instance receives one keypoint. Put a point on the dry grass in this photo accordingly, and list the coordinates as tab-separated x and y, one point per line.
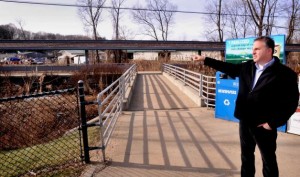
148	65
46	158
157	65
26	122
293	61
39	134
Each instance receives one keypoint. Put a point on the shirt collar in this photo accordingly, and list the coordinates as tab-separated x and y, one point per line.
265	65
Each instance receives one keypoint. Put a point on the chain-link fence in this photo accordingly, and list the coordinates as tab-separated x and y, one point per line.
39	134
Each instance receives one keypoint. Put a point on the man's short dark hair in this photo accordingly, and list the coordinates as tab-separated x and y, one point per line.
268	41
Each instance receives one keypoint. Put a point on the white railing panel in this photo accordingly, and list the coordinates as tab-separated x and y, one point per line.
112	98
203	84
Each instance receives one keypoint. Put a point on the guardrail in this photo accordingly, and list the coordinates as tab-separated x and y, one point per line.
110	105
203	84
27	70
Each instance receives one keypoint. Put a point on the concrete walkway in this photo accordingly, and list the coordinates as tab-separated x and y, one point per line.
165	134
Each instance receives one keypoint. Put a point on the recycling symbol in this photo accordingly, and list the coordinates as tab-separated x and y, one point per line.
226	102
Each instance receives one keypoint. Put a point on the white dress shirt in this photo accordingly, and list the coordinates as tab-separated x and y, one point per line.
260	69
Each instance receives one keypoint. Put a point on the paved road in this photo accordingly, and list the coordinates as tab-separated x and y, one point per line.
166	134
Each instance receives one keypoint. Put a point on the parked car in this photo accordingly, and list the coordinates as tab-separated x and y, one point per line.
14	59
37	61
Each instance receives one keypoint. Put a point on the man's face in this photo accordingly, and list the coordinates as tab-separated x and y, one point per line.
261	53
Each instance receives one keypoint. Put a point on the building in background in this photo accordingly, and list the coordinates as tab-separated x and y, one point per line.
154	55
68	57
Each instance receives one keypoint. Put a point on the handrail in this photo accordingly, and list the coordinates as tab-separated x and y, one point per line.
110	106
203	84
108	113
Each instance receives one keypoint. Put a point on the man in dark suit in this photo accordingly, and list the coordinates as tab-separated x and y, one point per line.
267	97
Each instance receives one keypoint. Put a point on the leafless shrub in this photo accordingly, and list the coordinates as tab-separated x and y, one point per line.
96	78
156	65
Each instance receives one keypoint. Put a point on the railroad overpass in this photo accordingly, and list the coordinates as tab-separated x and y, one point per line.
6	45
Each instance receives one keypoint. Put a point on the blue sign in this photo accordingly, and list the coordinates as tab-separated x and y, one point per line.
226	94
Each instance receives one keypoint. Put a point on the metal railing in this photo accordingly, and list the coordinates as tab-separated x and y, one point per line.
204	85
110	106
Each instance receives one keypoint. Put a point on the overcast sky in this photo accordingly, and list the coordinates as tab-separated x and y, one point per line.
65	20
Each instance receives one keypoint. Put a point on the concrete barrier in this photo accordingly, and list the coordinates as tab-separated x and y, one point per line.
128	93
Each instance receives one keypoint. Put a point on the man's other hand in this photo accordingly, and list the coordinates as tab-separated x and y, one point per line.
265	126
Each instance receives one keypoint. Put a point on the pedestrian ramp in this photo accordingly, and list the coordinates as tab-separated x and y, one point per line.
164	133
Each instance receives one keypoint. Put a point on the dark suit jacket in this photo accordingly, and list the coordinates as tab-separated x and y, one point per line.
273	99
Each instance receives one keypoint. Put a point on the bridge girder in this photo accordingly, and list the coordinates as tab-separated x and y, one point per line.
119	44
109	45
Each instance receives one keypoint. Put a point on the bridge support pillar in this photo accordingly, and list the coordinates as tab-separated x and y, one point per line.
87	60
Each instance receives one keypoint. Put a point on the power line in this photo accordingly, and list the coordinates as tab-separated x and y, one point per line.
127	8
135	9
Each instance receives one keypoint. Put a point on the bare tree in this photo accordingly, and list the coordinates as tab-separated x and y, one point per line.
272	7
90	13
220	30
116	16
21	24
126	33
238	20
263	13
157	20
257	11
293	11
217	19
233	20
7	31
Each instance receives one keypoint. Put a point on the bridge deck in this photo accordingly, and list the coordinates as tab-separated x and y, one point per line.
166	134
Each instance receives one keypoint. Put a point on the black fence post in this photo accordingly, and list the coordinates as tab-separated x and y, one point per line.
83	122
